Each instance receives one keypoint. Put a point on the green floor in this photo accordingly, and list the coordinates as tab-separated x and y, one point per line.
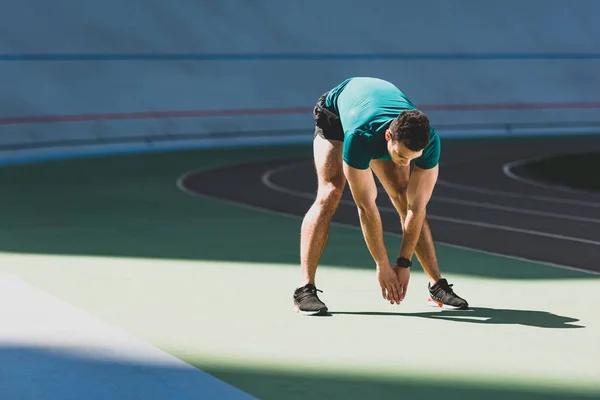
152	260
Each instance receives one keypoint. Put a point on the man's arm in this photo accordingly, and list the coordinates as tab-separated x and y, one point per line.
364	191
420	189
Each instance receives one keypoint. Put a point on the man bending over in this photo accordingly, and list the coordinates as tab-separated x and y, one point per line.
364	126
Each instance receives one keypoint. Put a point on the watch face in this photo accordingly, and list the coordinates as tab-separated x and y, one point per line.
403	262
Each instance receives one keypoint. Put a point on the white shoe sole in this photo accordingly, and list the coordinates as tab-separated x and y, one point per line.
437	304
318	312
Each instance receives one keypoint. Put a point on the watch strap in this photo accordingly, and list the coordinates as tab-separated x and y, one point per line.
403	262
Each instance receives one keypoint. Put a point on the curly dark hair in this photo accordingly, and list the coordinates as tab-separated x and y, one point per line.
411	128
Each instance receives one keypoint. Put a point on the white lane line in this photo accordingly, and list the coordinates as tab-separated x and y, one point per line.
444	199
507	169
512	229
475	189
266	180
180	183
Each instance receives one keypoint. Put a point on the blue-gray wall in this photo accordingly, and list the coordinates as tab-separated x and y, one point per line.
101	68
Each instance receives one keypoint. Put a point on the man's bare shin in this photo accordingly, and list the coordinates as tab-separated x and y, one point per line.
314	231
425	248
426	253
313	237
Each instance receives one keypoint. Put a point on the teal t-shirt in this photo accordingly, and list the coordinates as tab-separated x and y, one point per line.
366	107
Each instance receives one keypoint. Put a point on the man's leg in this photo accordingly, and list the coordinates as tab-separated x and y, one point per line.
315	226
394	179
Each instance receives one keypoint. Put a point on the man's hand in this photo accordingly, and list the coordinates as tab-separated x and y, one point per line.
403	276
390	286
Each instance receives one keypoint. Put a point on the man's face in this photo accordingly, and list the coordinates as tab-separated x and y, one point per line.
399	153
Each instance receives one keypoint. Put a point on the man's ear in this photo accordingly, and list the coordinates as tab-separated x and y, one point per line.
388	135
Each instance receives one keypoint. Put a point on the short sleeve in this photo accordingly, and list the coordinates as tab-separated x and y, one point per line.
356	151
431	155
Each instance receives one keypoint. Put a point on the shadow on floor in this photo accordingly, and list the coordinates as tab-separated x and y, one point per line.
481	315
41	373
294	385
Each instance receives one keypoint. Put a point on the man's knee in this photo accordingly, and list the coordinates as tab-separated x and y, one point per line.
399	198
330	194
400	192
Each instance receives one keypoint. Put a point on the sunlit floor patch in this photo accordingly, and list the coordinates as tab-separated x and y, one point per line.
536	334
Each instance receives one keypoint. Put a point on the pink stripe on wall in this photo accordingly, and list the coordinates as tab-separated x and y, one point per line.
34	119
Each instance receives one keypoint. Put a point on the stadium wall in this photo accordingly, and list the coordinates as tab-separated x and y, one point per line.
131	74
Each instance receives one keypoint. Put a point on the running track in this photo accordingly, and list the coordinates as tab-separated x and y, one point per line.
482	200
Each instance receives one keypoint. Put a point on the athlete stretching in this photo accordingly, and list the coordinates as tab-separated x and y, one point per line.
365	126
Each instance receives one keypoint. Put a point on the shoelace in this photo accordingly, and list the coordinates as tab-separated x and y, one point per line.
448	288
312	290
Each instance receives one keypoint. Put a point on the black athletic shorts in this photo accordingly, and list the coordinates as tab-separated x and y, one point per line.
327	123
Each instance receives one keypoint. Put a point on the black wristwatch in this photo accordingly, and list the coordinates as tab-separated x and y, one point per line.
403	262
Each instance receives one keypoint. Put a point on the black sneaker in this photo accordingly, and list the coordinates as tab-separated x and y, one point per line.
442	296
307	302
